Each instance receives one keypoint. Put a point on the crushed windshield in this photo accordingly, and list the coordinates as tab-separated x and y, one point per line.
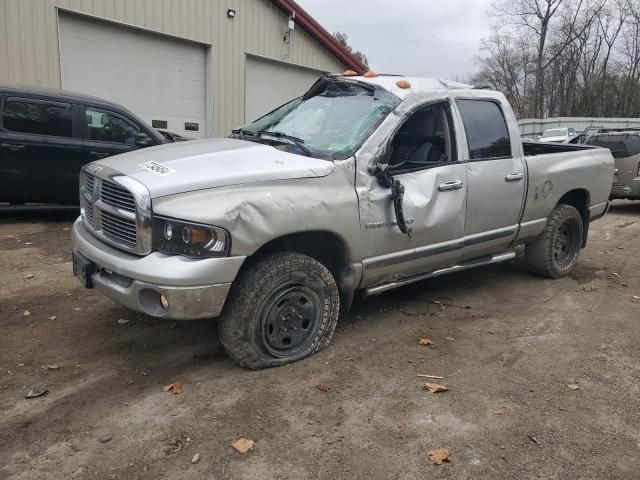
554	133
331	120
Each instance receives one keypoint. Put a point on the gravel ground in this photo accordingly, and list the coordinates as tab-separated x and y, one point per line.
508	345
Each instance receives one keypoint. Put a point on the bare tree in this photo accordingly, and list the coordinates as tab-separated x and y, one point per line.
565	57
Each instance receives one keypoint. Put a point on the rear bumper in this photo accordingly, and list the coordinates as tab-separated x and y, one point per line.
630	190
192	288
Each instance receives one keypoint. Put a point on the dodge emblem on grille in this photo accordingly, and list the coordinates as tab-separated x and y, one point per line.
157	168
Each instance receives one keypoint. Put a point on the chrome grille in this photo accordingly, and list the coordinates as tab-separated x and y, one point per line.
88	211
118	229
90	181
117	196
116	208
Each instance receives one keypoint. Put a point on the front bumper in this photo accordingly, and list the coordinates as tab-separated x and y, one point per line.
194	288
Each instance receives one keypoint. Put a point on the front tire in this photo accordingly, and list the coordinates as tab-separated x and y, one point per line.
282	308
555	252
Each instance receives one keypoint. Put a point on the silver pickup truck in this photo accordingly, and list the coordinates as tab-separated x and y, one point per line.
361	185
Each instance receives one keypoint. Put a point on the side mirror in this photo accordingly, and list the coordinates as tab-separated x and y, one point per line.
143	140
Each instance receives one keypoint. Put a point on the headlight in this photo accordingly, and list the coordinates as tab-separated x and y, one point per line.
190	239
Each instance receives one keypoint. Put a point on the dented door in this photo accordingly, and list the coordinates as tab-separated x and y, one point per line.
434	206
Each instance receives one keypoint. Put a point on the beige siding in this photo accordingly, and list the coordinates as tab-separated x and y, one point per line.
29	40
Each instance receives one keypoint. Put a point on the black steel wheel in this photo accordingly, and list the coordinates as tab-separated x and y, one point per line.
290	320
282	308
556	251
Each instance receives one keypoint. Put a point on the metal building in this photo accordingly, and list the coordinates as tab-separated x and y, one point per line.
196	67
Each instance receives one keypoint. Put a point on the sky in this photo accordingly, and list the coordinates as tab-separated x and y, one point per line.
427	38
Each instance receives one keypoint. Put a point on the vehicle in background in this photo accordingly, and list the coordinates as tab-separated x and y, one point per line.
582	137
173	137
625	148
557	135
362	184
47	135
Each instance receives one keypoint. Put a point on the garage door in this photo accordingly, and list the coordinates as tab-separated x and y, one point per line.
269	84
159	78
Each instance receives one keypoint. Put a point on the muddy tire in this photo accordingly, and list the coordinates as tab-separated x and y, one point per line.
283	307
555	252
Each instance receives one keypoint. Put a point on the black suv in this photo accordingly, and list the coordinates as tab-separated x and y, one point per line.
47	135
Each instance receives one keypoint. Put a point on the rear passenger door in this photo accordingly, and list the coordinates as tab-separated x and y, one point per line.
496	178
107	132
39	150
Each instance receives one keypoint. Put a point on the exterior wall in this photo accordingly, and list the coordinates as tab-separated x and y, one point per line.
532	127
29	51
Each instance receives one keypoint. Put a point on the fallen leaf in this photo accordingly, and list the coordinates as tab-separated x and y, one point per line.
122	321
435	387
26	313
36	392
28	276
573	386
438	456
243	445
323	387
53	317
424	341
175	388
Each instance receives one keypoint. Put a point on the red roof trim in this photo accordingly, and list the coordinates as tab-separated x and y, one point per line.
307	22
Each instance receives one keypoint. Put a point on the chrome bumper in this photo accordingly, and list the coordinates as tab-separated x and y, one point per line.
192	288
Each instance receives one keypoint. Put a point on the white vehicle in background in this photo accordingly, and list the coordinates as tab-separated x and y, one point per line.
558	135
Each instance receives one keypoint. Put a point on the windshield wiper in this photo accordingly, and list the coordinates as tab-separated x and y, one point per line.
242	132
297	141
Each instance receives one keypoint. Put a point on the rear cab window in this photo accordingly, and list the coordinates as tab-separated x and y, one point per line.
37	117
485	128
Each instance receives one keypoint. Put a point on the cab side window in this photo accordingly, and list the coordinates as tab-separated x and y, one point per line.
109	127
25	115
425	139
486	129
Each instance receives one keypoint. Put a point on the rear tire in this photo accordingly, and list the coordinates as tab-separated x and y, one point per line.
555	252
282	308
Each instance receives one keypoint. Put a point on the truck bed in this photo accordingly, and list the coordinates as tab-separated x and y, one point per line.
532	148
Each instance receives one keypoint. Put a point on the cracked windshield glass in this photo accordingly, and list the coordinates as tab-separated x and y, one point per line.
330	121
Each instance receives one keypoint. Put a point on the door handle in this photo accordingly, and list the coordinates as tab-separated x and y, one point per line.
514	177
448	186
12	146
93	153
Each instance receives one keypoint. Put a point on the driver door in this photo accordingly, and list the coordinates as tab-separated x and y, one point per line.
423	155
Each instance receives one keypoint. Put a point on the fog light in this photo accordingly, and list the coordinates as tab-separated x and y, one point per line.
164	301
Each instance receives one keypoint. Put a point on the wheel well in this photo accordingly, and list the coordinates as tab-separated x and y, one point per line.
325	247
579	199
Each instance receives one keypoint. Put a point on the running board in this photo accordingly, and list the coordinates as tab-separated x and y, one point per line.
479	262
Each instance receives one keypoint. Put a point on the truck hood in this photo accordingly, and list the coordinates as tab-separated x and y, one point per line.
202	164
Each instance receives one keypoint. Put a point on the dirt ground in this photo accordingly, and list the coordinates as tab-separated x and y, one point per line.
507	343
